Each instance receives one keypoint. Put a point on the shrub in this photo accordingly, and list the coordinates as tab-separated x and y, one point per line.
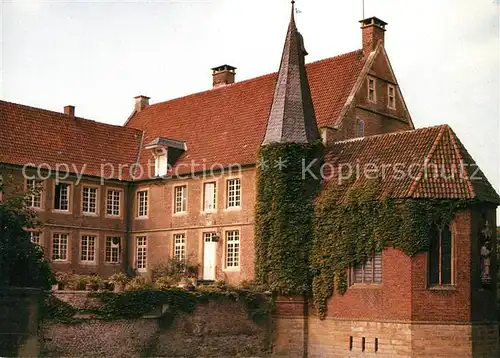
163	283
22	263
138	284
175	270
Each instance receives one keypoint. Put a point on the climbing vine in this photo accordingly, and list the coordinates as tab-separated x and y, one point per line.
135	304
352	222
285	189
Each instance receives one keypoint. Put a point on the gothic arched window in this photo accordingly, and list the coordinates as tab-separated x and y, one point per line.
440	256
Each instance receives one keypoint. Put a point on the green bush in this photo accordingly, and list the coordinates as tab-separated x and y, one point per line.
22	263
175	270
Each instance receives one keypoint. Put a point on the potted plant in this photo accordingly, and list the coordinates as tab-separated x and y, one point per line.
62	279
163	283
93	283
118	280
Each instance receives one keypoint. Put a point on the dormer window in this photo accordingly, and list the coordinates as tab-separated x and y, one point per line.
161	164
166	152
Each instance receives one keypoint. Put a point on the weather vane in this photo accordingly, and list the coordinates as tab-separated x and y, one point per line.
297	11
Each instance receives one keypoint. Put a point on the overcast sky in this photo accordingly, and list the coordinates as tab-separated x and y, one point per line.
98	55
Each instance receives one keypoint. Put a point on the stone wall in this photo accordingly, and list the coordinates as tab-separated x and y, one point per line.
218	328
335	337
18	322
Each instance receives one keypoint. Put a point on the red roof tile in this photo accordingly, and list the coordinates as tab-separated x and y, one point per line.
33	135
227	125
422	163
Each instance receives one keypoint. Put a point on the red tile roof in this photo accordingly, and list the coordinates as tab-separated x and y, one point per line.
422	163
227	125
38	136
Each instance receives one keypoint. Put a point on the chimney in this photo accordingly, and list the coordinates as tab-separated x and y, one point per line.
223	75
373	31
69	111
141	102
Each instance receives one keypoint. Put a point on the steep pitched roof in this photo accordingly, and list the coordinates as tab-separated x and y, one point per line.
422	163
230	121
37	136
292	118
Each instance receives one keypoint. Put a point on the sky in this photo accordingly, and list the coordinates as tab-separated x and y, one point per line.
98	55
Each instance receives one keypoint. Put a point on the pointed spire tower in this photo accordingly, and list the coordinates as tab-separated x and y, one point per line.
292	118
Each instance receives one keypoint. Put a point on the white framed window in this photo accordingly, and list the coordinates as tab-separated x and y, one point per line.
209	196
89	200
141	253
232	249
113	200
233	193
87	248
34	200
180	199
161	164
391	97
112	254
372	92
360	129
142	203
61	197
210	237
60	247
369	272
180	247
35	237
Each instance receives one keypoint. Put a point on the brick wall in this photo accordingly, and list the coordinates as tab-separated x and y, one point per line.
445	303
163	223
75	223
390	300
377	117
403	316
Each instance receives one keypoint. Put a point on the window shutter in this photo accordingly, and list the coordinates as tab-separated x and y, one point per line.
209	196
161	165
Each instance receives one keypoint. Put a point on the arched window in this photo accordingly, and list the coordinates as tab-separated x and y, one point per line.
440	256
360	130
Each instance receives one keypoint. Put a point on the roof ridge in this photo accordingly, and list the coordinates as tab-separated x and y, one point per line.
390	134
236	84
63	116
453	138
418	179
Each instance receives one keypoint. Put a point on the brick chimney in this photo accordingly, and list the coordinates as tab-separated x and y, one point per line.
141	102
69	111
223	75
373	31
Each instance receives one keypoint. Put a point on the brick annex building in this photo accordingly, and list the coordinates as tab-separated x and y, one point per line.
115	218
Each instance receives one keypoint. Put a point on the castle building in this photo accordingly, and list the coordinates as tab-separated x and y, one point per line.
178	180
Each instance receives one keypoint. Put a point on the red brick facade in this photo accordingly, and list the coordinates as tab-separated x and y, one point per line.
404	315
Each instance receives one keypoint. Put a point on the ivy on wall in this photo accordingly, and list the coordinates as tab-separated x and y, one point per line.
284	216
136	304
352	222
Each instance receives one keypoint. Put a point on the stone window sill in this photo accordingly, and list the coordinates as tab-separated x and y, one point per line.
443	288
366	286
